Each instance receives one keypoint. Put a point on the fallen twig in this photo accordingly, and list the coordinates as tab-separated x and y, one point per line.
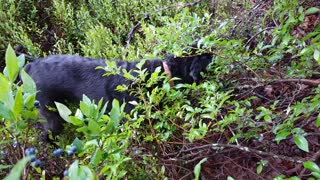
310	82
246	149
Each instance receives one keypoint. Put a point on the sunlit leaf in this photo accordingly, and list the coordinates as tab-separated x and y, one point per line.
17	170
197	169
301	142
18	103
64	111
318	120
316	55
93	127
29	85
312	166
312	10
11	64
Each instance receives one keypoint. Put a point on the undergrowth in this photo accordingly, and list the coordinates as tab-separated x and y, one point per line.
256	111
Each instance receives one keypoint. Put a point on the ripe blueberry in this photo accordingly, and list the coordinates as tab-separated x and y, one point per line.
36	104
33	158
36	163
70	153
65	172
73	148
30	151
57	152
15	144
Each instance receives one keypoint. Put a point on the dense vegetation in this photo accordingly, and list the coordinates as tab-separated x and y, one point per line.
256	116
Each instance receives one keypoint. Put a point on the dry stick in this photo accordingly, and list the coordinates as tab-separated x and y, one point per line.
146	16
267	28
247	149
309	82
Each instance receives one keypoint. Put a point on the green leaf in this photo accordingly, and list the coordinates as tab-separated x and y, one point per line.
12	64
64	111
5	112
78	143
110	127
93	127
115	113
318	121
317	175
316	55
312	10
197	168
5	92
73	170
282	135
18	103
75	121
96	158
5	166
17	170
85	108
29	100
311	166
21	61
259	169
82	172
301	142
29	86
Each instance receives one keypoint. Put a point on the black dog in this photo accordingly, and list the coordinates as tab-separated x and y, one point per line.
68	77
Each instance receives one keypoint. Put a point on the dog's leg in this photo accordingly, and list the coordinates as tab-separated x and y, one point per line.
54	121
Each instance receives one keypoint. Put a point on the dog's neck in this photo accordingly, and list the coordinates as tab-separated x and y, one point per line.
168	73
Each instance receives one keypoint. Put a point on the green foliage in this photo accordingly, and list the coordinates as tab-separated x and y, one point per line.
80	172
313	167
17	169
17	111
197	169
113	144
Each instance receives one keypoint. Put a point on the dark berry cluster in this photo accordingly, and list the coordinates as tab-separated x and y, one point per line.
32	153
70	152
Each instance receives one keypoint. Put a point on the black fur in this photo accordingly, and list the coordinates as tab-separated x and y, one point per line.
68	77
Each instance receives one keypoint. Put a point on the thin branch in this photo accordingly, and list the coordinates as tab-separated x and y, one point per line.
310	82
267	28
146	16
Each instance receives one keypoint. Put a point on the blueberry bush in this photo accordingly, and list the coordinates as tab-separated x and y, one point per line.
255	116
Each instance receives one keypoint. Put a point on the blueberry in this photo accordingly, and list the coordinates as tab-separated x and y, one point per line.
36	163
15	144
58	152
73	149
65	172
33	158
70	153
3	152
36	104
30	151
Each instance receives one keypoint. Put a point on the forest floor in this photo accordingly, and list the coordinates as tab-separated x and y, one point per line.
240	161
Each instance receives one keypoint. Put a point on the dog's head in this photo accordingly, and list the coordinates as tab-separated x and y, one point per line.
189	68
